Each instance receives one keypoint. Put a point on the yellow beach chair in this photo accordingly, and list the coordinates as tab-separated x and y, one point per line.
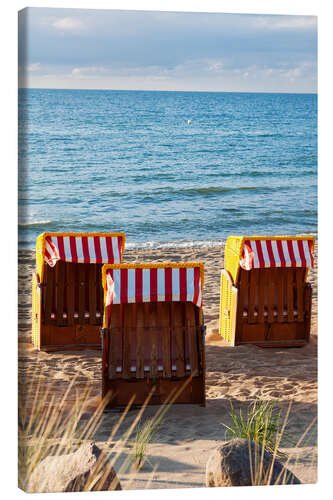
67	292
264	297
153	333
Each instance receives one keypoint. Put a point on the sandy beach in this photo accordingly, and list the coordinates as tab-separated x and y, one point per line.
239	374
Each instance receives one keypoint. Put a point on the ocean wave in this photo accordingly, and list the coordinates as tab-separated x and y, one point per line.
153	194
176	244
216	190
263	134
27	224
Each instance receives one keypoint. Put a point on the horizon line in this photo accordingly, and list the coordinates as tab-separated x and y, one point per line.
188	91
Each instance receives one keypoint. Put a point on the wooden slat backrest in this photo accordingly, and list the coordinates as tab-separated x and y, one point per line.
92	295
140	340
60	288
290	295
70	281
272	279
82	295
152	335
153	338
261	296
253	293
178	337
280	291
300	294
164	314
70	290
192	337
129	334
272	294
115	344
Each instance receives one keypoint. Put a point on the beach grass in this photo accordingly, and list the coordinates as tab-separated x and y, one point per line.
262	476
144	434
260	423
50	428
263	426
53	428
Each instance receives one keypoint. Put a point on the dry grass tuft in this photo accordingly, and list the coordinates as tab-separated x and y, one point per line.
53	428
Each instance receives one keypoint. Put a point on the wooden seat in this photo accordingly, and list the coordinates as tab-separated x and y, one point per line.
264	297
154	342
67	295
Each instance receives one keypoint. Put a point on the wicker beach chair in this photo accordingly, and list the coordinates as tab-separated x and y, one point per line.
153	335
67	292
264	297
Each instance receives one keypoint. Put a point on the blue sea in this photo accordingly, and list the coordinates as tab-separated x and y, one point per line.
100	160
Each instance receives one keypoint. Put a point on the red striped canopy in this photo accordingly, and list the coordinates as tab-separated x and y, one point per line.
83	249
276	253
153	284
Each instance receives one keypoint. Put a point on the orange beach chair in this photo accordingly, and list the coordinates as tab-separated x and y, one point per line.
153	333
264	296
67	292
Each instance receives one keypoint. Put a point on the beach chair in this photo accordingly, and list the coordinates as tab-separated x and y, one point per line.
67	292
264	296
153	335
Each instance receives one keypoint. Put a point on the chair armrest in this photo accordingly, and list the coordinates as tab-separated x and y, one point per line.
228	276
36	276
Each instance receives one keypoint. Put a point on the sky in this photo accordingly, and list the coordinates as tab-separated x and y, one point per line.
133	50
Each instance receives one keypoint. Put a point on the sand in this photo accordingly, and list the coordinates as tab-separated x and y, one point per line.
178	453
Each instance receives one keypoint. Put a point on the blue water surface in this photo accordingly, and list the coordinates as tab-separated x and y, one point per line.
129	161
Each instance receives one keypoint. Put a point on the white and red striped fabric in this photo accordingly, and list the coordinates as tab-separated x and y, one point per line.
83	249
156	284
276	253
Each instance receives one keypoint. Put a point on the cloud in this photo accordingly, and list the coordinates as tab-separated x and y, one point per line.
87	72
192	75
287	22
33	67
300	71
216	67
68	24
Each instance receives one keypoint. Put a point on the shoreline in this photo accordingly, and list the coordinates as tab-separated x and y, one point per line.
159	245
